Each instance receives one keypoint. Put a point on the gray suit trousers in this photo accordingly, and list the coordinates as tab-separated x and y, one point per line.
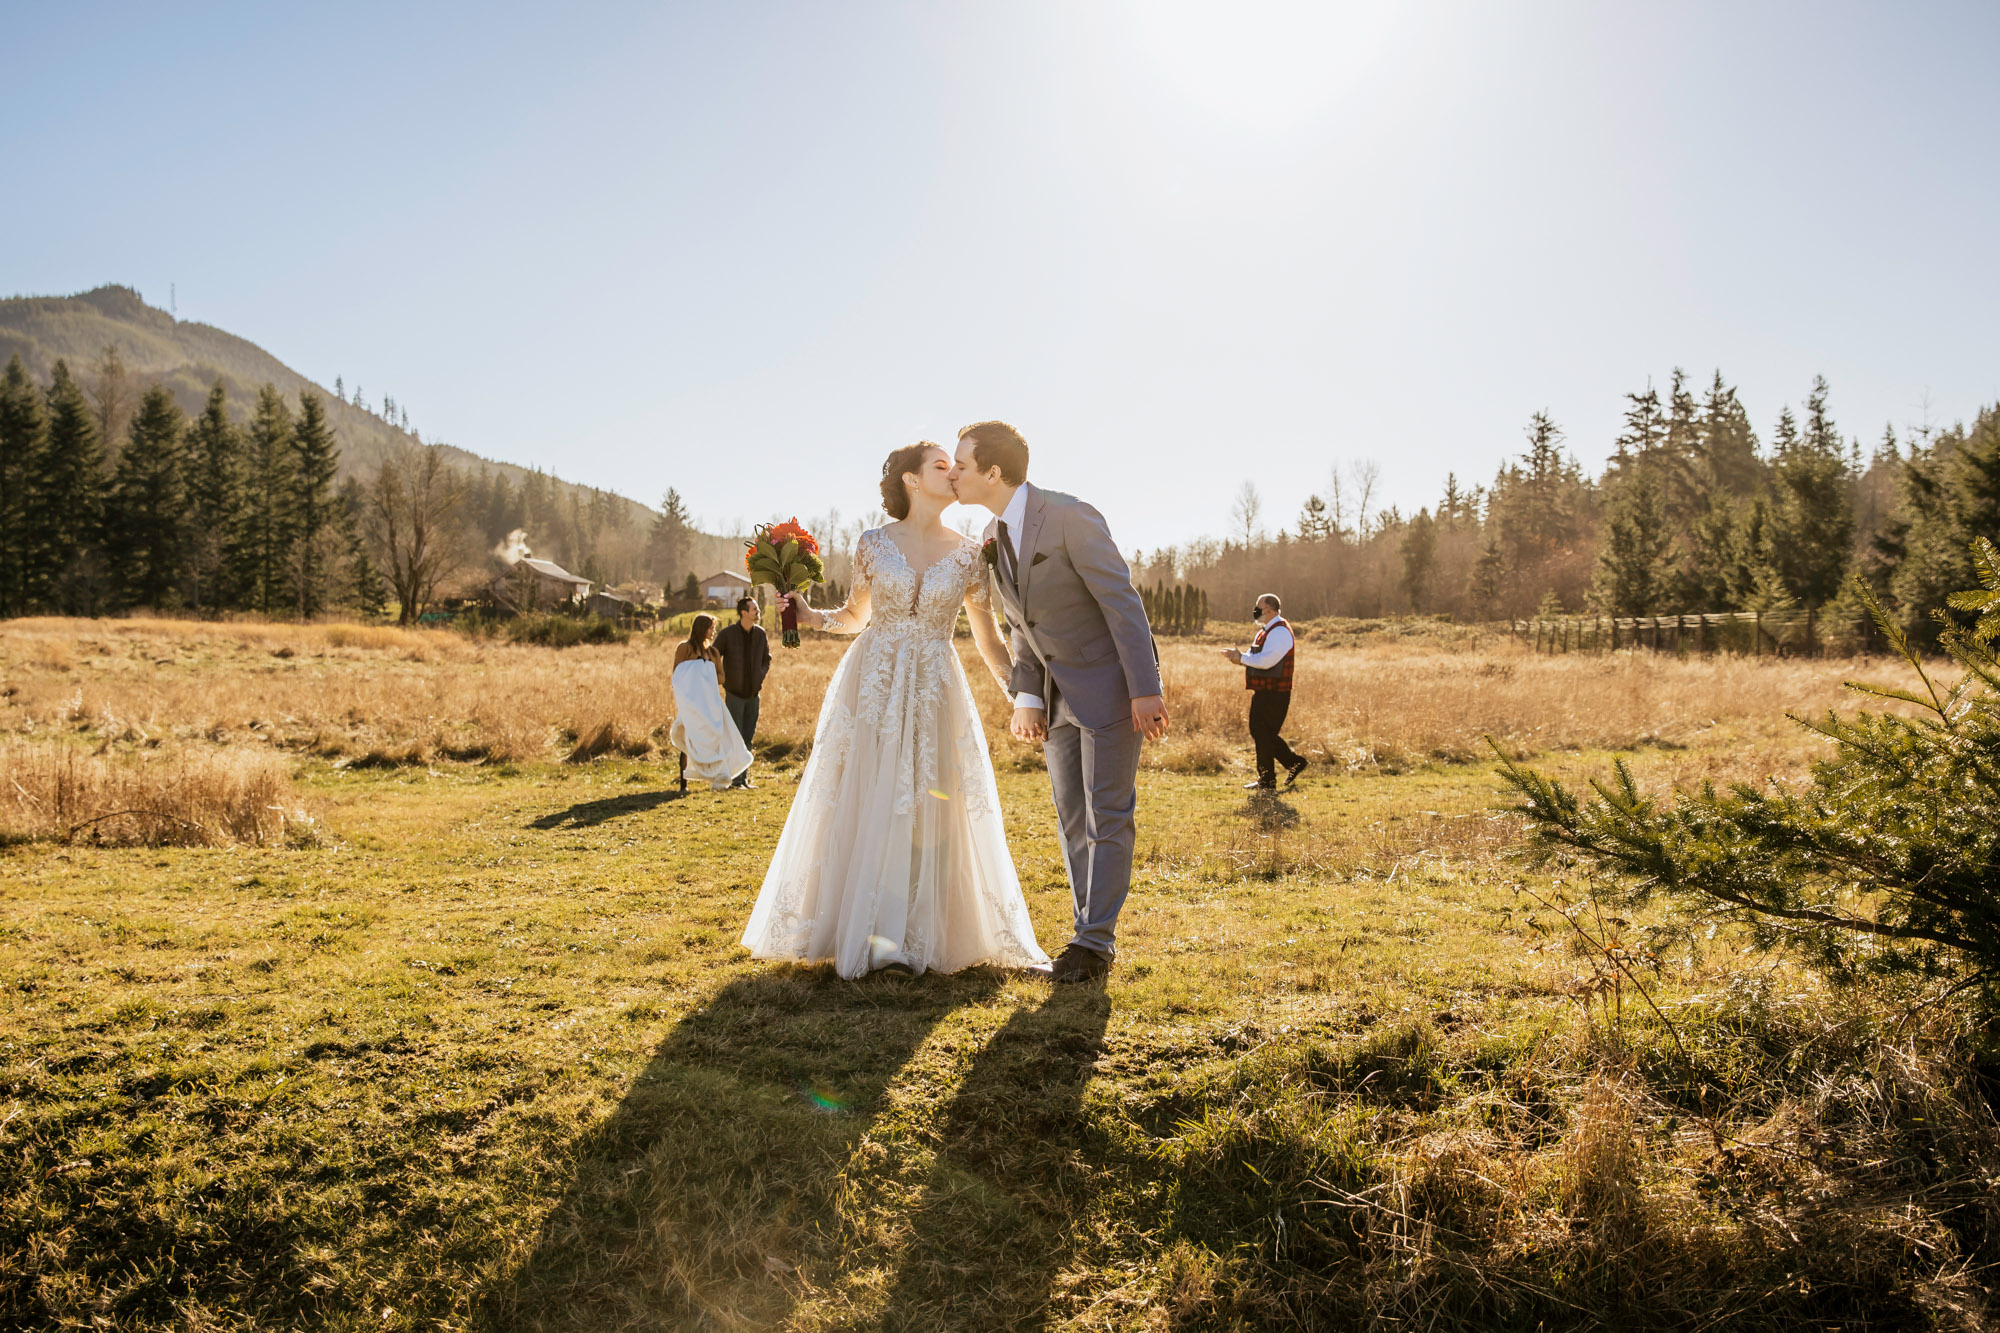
1092	771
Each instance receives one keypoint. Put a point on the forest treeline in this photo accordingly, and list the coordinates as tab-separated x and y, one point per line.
109	506
1693	513
113	501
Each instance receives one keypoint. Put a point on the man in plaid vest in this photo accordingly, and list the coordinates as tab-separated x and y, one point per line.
1267	674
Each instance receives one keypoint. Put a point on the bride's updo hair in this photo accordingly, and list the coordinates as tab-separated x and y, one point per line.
896	496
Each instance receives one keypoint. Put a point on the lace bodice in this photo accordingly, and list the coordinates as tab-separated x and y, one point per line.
893	598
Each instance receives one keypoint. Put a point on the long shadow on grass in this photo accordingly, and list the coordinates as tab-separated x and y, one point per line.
1008	1185
586	813
717	1176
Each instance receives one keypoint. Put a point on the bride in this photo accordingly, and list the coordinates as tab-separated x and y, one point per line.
894	856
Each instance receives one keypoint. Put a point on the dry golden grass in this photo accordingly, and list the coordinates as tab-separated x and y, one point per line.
1392	703
179	797
384	696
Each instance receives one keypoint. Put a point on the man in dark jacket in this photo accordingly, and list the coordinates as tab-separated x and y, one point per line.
746	659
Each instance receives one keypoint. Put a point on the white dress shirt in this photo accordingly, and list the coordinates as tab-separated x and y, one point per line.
1014	516
1276	644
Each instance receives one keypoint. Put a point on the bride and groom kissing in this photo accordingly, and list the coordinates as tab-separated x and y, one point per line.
894	856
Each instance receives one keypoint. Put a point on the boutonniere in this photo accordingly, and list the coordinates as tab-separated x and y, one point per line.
990	553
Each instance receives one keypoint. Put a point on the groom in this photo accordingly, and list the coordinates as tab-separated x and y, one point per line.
1086	680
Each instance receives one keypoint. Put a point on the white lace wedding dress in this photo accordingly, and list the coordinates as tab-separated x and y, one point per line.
894	850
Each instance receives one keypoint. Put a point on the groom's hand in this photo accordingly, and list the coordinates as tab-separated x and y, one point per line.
1029	724
1149	715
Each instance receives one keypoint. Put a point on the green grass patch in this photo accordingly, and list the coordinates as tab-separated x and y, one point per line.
491	1058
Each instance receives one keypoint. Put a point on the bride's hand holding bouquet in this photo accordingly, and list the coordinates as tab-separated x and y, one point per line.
786	556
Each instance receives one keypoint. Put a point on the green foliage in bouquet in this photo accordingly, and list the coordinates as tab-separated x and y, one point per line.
785	556
1886	862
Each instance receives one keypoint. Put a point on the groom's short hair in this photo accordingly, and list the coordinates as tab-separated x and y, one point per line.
997	444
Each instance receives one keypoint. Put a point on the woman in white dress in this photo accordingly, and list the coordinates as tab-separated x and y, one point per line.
709	742
894	856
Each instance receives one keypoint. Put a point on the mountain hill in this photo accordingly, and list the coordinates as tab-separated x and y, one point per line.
188	357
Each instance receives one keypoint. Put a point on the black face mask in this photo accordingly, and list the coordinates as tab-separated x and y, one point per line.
1256	613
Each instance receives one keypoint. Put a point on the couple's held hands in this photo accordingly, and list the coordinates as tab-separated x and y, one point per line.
1233	655
1149	718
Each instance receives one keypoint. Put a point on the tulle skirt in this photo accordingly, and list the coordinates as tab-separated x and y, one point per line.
894	850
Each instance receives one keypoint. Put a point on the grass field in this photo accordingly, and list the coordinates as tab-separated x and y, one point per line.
479	1050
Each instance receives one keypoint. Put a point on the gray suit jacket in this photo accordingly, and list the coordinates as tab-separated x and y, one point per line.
1080	636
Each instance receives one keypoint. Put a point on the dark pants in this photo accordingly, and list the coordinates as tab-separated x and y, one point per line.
743	711
1267	716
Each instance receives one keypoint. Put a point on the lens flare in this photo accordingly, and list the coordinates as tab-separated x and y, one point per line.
822	1098
940	795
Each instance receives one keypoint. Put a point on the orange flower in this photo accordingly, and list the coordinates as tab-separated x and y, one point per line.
792	531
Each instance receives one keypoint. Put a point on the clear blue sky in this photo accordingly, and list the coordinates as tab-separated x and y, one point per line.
746	249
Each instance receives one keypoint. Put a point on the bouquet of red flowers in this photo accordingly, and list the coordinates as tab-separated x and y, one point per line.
785	556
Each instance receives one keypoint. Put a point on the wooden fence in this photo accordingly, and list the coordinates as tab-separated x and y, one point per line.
1753	633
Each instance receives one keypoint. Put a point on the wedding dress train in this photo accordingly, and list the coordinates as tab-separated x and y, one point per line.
894	850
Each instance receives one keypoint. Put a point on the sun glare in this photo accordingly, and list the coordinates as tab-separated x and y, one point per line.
1266	64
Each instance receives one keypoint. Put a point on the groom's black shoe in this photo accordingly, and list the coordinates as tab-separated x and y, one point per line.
1077	963
1292	772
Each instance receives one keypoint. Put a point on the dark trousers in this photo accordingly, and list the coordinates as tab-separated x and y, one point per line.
742	711
1267	716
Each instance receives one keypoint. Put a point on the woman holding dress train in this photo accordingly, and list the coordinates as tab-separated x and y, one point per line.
708	740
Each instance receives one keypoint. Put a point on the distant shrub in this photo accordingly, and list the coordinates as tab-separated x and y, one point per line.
552	631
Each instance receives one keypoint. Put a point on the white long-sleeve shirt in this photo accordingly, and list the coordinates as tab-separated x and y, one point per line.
1014	516
1277	643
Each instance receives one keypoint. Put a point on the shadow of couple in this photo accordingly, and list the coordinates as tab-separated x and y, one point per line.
770	1153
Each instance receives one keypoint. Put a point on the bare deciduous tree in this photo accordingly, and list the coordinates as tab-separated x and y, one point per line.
1366	475
1248	513
412	522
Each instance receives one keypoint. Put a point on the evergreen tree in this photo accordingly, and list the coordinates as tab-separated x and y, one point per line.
1727	445
1315	524
1632	557
65	506
1813	519
1644	433
1419	551
1456	506
144	520
217	509
671	536
21	431
1950	494
1703	579
267	511
315	462
1487	573
502	509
